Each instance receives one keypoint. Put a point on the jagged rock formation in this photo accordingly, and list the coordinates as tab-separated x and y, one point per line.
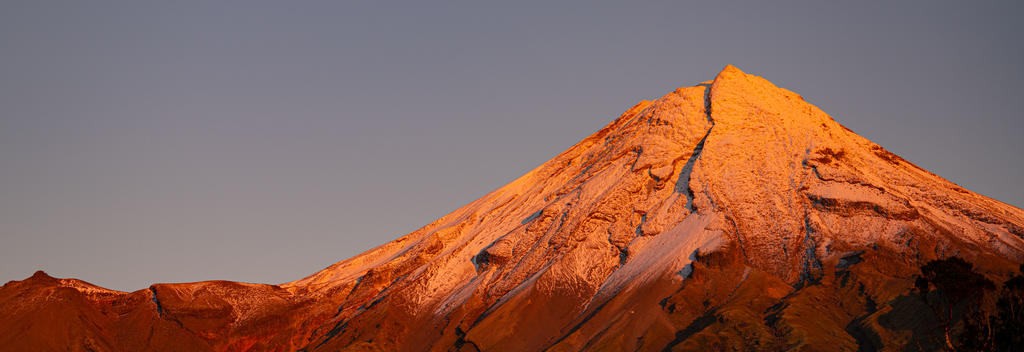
730	214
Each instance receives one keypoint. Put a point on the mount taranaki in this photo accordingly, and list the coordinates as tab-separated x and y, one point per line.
727	215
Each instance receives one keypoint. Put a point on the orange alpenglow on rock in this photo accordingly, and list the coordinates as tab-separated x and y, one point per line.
730	214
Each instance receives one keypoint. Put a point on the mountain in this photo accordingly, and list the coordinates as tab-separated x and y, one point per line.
730	214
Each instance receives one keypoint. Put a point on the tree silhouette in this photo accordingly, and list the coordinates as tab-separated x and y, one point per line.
1003	328
1009	317
958	292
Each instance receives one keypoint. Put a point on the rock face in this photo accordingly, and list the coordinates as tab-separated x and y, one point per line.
730	214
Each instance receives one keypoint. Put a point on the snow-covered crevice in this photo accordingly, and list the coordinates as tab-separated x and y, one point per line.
707	102
639	150
156	301
811	270
683	182
817	174
687	270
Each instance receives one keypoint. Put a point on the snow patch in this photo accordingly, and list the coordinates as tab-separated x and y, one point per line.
664	253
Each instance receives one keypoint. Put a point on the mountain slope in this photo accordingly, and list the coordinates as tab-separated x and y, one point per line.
730	213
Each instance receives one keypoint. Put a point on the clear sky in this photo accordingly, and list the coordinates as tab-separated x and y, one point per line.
261	141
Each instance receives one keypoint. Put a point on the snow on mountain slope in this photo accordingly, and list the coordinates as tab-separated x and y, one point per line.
721	214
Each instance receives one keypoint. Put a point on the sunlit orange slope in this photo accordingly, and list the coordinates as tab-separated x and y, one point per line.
730	214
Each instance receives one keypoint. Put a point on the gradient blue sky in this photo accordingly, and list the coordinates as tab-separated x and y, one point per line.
263	140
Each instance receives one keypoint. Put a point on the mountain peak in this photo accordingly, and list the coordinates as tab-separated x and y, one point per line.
738	97
730	70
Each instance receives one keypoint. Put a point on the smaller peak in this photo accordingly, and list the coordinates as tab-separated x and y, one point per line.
41	276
